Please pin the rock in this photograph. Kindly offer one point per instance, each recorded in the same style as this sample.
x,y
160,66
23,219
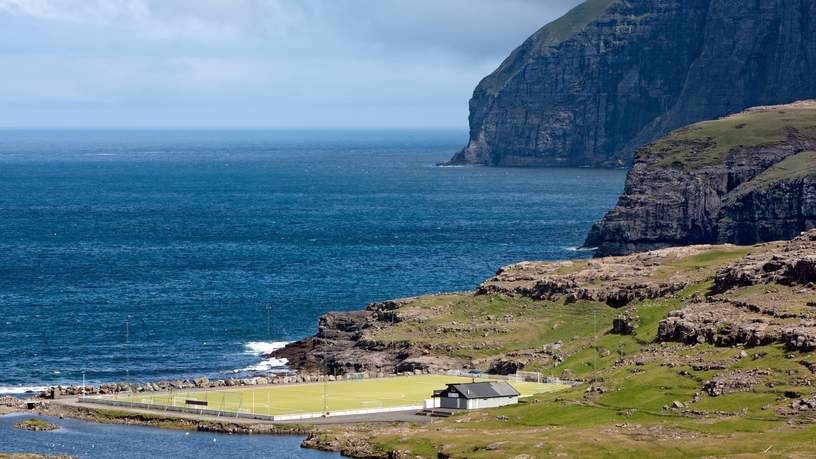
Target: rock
x,y
731,318
578,93
344,344
616,281
506,366
695,187
201,382
792,264
624,324
36,425
678,405
735,381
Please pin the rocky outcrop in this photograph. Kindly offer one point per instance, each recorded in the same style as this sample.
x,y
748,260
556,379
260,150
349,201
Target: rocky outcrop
x,y
743,179
624,324
344,344
616,281
735,381
794,263
611,76
36,425
740,314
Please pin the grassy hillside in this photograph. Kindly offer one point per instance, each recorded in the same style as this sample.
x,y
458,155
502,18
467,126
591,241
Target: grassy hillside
x,y
640,398
709,142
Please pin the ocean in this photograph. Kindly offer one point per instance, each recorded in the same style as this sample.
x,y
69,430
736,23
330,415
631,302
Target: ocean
x,y
143,255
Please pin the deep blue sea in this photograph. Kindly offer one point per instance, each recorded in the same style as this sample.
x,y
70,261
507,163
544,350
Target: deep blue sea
x,y
144,255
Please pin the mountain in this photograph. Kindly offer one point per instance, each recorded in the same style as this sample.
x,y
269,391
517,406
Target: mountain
x,y
745,178
613,75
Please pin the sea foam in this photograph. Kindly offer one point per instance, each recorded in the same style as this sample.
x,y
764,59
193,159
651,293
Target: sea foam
x,y
17,390
261,348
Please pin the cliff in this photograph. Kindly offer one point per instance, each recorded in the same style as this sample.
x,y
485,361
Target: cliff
x,y
612,75
743,179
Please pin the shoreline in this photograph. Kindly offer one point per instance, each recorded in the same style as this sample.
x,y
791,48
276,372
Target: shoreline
x,y
312,432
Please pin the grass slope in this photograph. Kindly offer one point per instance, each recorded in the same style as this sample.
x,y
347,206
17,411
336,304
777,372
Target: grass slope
x,y
791,168
640,380
708,143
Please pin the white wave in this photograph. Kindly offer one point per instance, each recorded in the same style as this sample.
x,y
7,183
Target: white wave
x,y
267,365
263,347
21,389
580,249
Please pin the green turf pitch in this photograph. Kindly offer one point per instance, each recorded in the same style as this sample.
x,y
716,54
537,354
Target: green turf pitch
x,y
340,396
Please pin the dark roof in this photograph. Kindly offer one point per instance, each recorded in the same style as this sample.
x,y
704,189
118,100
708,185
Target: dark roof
x,y
481,390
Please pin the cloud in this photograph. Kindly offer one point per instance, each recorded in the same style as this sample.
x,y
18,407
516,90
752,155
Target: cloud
x,y
256,62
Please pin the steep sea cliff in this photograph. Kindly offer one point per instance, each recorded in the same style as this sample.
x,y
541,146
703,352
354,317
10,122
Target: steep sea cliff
x,y
611,76
742,179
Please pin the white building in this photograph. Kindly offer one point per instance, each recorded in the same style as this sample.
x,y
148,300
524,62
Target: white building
x,y
472,396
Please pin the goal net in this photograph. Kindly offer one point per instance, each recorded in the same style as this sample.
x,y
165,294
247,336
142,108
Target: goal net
x,y
528,376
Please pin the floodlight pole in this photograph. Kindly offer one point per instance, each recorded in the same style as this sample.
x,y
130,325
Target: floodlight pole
x,y
127,348
269,321
595,331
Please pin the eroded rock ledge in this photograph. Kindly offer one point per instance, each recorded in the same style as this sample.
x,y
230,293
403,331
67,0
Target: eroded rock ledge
x,y
616,281
764,298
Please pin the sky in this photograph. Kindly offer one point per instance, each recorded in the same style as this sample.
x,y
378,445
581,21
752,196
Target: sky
x,y
254,63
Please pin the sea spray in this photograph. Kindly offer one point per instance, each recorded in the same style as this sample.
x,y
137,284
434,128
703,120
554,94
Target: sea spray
x,y
263,348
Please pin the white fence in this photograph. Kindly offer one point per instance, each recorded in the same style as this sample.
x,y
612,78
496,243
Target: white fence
x,y
520,376
232,414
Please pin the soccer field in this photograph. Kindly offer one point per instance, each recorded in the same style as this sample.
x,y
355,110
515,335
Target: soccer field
x,y
340,396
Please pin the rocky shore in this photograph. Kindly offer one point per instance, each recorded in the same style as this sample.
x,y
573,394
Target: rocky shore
x,y
680,331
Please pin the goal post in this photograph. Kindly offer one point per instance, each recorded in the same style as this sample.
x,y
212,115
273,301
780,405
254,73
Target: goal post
x,y
528,376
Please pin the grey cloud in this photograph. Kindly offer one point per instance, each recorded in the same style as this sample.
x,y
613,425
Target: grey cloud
x,y
254,62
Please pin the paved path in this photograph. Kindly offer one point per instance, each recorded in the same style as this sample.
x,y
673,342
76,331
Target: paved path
x,y
396,416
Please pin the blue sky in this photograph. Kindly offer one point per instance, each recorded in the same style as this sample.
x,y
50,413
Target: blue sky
x,y
254,63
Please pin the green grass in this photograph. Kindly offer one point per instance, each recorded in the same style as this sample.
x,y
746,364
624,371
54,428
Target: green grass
x,y
341,395
791,168
698,267
709,142
36,422
533,324
574,21
551,34
640,377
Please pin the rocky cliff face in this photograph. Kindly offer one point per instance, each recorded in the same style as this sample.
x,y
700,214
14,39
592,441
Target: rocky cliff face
x,y
743,179
613,75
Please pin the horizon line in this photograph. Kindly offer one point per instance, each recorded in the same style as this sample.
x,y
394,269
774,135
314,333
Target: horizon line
x,y
230,128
